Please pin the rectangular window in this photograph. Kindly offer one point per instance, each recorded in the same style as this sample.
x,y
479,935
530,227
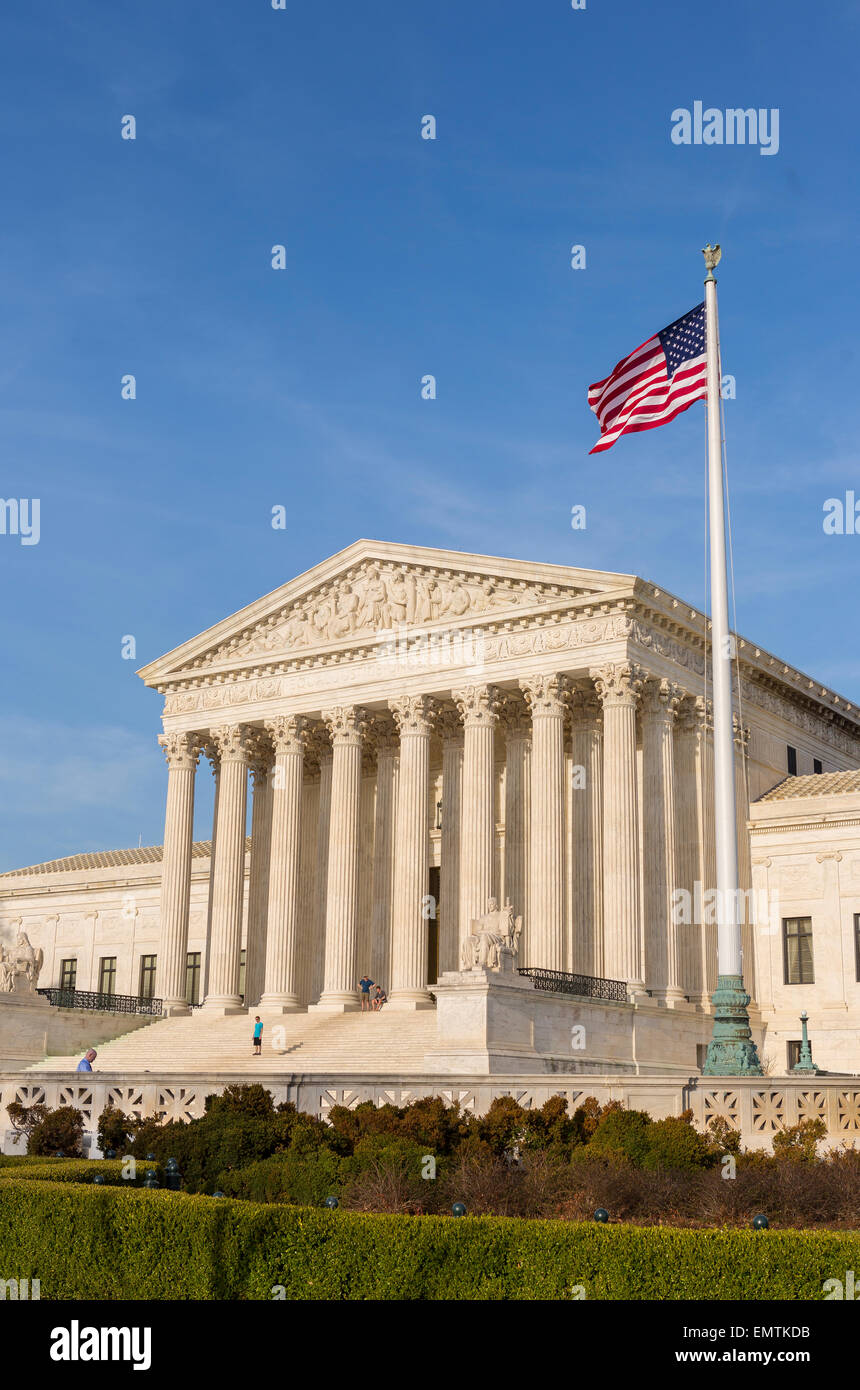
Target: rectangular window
x,y
242,974
192,977
107,975
816,765
69,973
792,760
147,977
797,949
793,1053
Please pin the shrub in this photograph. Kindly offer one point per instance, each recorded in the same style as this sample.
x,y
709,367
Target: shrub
x,y
60,1129
621,1136
674,1143
114,1130
800,1142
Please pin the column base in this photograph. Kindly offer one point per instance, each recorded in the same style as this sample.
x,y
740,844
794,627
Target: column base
x,y
731,1051
335,1002
221,1005
673,999
174,1008
273,1005
409,1000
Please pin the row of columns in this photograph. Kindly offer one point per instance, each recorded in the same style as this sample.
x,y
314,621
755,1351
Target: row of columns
x,y
623,921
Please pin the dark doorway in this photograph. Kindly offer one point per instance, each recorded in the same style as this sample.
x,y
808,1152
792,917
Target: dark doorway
x,y
433,928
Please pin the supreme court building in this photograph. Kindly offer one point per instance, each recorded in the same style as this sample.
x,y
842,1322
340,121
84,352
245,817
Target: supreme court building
x,y
421,731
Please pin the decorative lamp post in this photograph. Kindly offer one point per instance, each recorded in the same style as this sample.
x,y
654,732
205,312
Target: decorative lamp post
x,y
804,1064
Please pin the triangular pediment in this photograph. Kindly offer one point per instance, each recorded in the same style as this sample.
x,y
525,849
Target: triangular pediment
x,y
371,589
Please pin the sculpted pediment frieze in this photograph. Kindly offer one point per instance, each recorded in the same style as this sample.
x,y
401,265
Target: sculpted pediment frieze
x,y
378,599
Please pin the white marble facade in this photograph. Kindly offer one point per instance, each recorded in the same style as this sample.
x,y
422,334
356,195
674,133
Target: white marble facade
x,y
408,732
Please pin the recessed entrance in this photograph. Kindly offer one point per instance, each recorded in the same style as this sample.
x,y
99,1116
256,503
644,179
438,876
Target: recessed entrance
x,y
433,927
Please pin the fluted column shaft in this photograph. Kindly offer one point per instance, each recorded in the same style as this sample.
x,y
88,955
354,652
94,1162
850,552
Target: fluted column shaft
x,y
587,833
413,714
663,965
323,831
229,877
687,849
479,708
707,845
281,993
211,751
544,930
518,747
448,908
181,752
387,771
340,982
258,886
618,687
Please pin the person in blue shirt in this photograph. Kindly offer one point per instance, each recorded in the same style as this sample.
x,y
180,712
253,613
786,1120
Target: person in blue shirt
x,y
86,1062
257,1039
365,985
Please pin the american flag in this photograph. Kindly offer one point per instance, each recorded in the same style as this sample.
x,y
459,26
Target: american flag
x,y
662,377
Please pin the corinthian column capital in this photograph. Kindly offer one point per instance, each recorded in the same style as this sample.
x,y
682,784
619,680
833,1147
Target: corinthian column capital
x,y
234,742
661,699
546,695
288,732
180,749
413,714
618,684
479,705
346,725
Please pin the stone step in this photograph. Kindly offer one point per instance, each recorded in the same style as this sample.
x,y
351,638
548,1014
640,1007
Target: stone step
x,y
311,1042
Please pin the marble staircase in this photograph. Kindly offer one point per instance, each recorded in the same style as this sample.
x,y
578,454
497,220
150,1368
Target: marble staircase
x,y
338,1043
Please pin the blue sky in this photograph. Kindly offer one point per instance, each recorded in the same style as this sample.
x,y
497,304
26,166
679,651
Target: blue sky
x,y
404,257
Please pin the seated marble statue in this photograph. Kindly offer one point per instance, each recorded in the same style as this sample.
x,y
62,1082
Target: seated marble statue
x,y
496,931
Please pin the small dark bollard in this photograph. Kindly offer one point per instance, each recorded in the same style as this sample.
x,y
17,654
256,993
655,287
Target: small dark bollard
x,y
601,1215
331,1203
110,1153
150,1158
458,1209
99,1178
218,1194
59,1154
151,1179
760,1222
173,1177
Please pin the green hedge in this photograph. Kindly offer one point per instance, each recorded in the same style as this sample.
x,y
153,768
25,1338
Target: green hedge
x,y
71,1170
129,1244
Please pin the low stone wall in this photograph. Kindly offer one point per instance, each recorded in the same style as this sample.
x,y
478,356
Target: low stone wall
x,y
758,1108
30,1032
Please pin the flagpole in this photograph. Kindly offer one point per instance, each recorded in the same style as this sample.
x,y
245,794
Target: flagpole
x,y
731,1051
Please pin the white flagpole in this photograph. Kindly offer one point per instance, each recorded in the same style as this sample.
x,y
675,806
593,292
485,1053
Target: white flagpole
x,y
732,1051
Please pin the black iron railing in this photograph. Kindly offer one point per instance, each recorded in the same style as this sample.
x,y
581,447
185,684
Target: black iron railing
x,y
585,986
107,1003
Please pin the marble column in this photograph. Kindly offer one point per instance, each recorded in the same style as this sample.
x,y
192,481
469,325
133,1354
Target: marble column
x,y
210,749
281,991
448,907
235,747
181,751
660,703
544,945
414,717
387,766
340,983
742,805
325,760
258,885
618,687
707,846
687,848
518,749
586,745
479,708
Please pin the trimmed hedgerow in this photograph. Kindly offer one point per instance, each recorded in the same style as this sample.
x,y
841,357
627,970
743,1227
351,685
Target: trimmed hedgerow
x,y
129,1244
72,1170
